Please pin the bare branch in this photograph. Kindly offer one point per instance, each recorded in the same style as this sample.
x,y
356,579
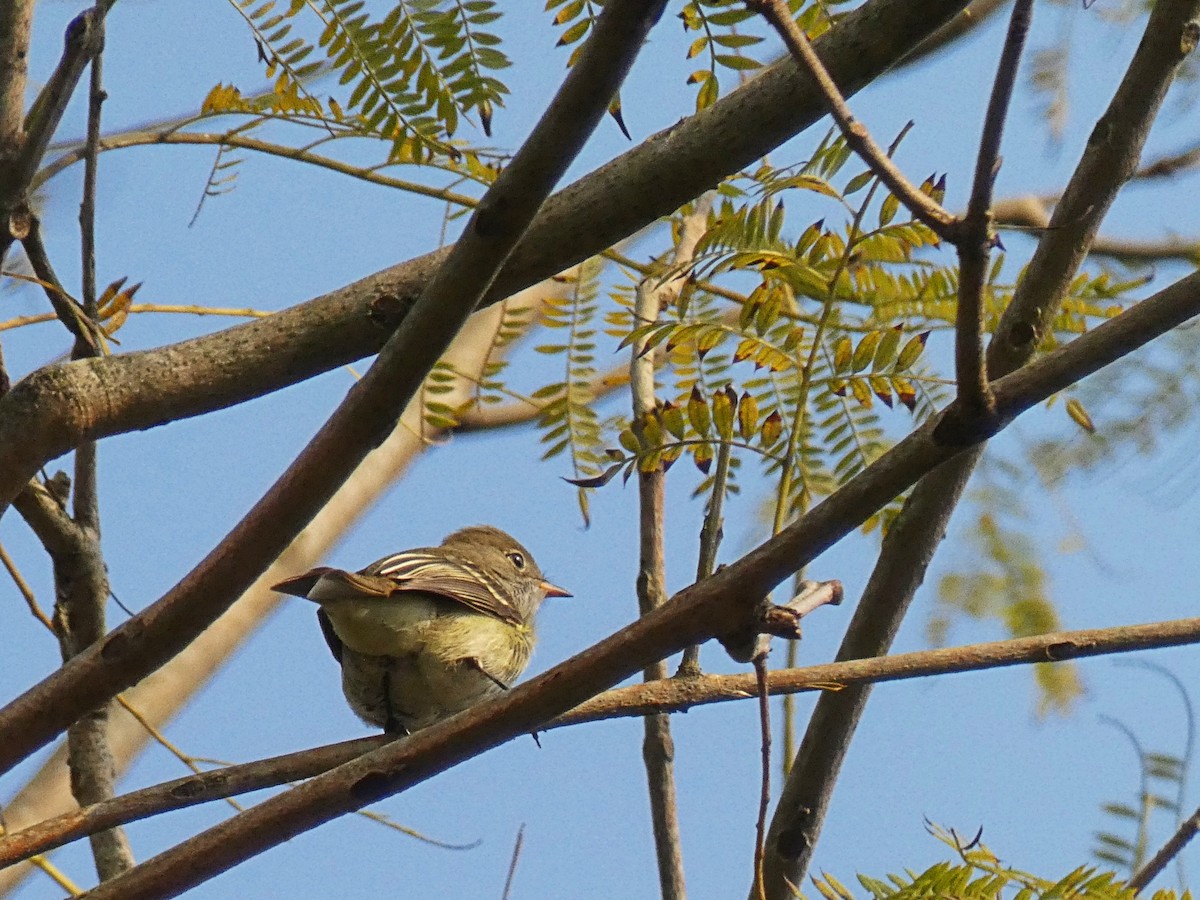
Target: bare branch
x,y
25,589
761,675
87,333
82,578
173,136
1183,835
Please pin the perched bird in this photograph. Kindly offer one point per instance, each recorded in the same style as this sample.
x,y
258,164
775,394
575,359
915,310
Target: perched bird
x,y
425,633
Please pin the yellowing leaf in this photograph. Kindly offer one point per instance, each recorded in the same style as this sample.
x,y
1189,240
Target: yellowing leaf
x,y
723,405
747,416
698,412
772,429
842,353
1080,416
672,419
889,345
912,351
864,353
746,349
709,339
812,183
881,389
652,433
888,209
905,392
649,462
862,393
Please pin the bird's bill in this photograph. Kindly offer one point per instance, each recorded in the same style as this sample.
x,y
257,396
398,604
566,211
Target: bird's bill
x,y
553,590
300,585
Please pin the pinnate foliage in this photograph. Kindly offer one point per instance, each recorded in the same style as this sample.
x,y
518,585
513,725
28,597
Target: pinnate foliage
x,y
410,76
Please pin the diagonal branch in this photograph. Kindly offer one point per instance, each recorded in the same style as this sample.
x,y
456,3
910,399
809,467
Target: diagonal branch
x,y
54,409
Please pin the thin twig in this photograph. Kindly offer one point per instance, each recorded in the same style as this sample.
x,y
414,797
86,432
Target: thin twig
x,y
25,589
172,136
922,206
1031,213
512,863
658,746
711,533
1170,850
72,316
975,248
764,796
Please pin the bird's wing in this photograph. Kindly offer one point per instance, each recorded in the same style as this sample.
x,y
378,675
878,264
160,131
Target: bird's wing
x,y
458,580
331,638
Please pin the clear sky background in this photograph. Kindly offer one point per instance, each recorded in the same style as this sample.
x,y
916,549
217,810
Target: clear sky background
x,y
963,751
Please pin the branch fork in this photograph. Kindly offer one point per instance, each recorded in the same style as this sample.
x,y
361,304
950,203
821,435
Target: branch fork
x,y
768,620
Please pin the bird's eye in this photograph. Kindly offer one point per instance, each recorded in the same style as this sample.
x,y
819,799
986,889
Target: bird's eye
x,y
517,559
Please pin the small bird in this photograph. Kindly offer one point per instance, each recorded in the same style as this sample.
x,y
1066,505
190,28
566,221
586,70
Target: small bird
x,y
425,633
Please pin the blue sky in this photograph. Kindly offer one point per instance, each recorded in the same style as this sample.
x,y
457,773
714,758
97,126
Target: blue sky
x,y
963,751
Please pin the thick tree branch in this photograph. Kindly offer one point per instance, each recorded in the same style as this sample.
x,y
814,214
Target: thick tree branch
x,y
714,606
54,409
1107,163
16,20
